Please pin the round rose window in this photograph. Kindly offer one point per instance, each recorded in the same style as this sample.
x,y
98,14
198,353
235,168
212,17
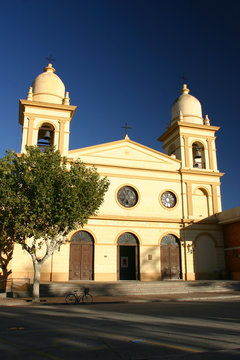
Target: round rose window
x,y
127,196
168,199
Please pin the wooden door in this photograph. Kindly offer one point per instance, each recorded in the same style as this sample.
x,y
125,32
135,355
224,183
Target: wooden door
x,y
81,261
170,262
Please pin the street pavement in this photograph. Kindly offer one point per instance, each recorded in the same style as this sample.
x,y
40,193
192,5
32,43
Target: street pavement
x,y
177,327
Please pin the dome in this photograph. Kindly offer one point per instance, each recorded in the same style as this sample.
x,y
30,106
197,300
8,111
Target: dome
x,y
48,87
186,108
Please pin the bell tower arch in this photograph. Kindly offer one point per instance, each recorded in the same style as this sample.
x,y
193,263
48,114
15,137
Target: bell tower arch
x,y
46,114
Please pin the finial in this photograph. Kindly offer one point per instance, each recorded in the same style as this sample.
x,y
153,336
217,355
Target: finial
x,y
167,126
185,90
127,137
30,94
66,100
207,120
49,68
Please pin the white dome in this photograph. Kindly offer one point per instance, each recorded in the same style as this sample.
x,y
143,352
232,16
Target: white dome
x,y
48,87
186,108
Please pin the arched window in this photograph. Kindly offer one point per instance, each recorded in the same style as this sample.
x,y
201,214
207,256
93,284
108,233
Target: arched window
x,y
128,239
169,240
82,237
45,136
198,155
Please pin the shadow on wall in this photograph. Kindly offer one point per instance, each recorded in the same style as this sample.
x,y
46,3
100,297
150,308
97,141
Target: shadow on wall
x,y
203,251
150,260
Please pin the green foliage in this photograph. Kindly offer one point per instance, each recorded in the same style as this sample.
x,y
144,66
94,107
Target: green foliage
x,y
7,213
43,198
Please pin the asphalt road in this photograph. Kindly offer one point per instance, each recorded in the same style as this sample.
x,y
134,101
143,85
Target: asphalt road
x,y
136,331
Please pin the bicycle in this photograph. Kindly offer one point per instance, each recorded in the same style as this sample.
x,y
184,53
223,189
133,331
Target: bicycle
x,y
75,297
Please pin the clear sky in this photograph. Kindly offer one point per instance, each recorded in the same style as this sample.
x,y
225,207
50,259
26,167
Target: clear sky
x,y
122,60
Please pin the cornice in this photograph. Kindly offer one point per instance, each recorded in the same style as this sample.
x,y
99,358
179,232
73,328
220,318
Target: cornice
x,y
201,172
102,165
40,104
182,124
136,219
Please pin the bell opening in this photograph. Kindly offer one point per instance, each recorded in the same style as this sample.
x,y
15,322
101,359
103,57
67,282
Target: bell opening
x,y
45,137
198,156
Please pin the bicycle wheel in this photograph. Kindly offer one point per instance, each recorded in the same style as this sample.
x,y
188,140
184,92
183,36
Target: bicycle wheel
x,y
87,299
71,299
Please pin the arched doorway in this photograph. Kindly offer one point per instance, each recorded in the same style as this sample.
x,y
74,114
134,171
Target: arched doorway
x,y
170,258
81,256
128,254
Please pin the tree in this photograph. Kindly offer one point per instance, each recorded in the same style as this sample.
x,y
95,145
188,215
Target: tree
x,y
7,217
48,198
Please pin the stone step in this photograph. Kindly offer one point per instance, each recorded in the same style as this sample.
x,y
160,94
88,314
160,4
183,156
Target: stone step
x,y
137,288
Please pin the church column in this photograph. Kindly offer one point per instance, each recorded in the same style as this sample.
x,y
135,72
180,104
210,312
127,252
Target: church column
x,y
30,131
209,142
214,198
186,151
189,199
214,156
61,136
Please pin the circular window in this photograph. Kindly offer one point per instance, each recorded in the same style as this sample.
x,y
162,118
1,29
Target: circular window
x,y
168,199
127,196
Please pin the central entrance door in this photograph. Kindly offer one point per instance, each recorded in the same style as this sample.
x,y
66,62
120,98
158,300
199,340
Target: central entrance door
x,y
170,258
81,256
128,253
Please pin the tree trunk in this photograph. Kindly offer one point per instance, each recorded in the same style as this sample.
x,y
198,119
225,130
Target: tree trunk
x,y
36,281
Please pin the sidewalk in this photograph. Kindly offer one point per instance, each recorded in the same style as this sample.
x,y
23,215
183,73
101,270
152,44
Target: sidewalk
x,y
204,296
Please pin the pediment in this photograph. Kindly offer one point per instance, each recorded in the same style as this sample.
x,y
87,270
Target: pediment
x,y
125,153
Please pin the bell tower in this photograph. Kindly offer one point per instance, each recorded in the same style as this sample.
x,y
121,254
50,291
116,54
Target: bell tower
x,y
46,114
192,140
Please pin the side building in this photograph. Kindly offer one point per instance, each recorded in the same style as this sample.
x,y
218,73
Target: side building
x,y
230,220
154,223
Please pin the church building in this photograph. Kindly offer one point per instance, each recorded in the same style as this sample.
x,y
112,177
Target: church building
x,y
155,222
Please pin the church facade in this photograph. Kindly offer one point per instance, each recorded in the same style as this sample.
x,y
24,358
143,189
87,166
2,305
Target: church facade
x,y
155,222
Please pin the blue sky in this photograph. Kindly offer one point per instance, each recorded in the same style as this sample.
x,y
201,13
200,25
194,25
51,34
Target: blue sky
x,y
122,60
